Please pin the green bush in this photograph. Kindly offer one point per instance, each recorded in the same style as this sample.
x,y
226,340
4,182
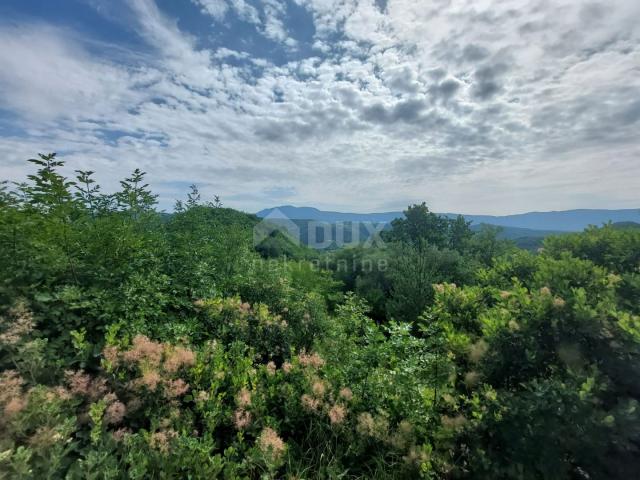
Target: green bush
x,y
135,344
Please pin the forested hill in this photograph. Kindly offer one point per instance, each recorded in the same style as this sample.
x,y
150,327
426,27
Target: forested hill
x,y
568,220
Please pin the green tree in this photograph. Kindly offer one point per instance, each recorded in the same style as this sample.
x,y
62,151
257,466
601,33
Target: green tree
x,y
413,272
419,227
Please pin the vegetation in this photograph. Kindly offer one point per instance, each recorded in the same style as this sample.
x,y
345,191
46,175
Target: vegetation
x,y
135,344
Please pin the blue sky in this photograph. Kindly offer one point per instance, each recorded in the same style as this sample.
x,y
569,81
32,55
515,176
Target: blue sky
x,y
476,106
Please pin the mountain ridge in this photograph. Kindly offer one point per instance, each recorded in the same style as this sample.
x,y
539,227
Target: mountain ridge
x,y
557,220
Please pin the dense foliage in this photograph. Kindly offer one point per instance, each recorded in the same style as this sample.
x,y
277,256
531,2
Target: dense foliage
x,y
135,344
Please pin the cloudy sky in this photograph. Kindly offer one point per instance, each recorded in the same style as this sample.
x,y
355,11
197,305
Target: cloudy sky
x,y
474,106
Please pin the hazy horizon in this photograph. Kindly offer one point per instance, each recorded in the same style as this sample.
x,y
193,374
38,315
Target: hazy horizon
x,y
441,212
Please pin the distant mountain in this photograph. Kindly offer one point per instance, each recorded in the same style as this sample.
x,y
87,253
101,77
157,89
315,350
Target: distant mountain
x,y
512,233
559,221
310,213
627,225
566,221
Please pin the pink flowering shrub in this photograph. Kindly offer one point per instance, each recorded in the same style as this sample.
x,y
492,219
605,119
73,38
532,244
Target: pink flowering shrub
x,y
160,403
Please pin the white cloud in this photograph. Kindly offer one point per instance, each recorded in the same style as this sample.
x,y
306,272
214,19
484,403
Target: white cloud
x,y
216,8
46,76
269,20
479,107
274,28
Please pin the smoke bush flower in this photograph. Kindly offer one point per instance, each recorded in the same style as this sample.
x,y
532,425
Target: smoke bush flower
x,y
161,440
241,419
310,403
559,302
150,380
176,388
112,355
144,351
119,434
271,368
346,393
79,382
21,324
271,444
314,360
58,393
115,413
471,378
454,423
366,424
319,388
10,386
337,414
243,399
178,358
14,406
478,350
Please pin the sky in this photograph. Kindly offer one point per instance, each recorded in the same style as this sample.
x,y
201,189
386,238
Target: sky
x,y
473,106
